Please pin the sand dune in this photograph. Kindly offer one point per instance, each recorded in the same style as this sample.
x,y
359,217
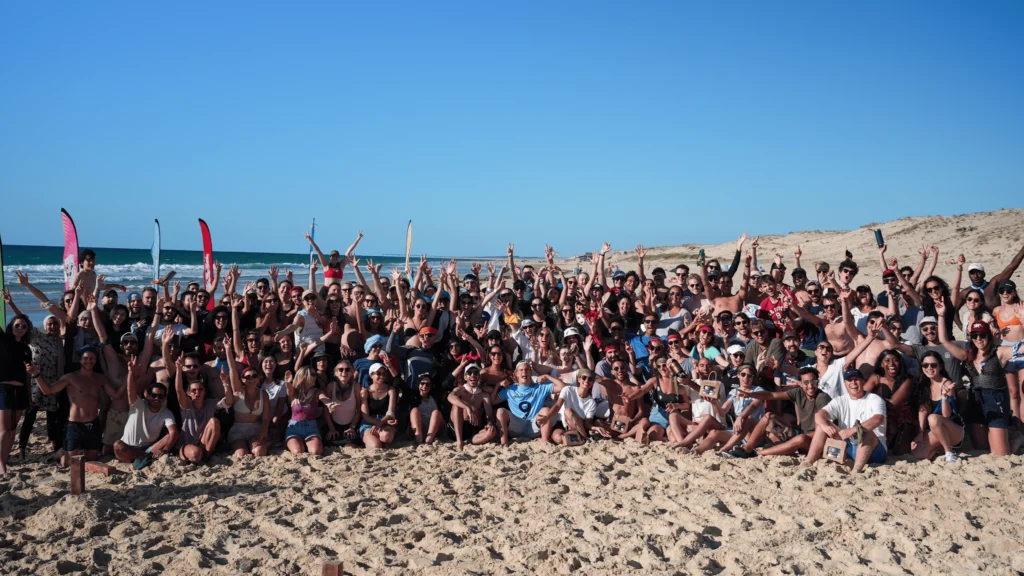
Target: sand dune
x,y
992,238
604,508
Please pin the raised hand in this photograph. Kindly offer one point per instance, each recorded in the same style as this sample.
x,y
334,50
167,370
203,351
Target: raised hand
x,y
396,275
308,237
22,278
234,271
798,252
960,261
354,261
453,267
490,268
511,249
273,273
641,253
778,259
935,250
883,248
218,266
756,243
595,259
475,268
940,308
742,239
7,296
90,302
605,248
893,264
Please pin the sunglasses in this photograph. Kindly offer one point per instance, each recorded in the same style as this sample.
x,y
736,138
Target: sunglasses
x,y
928,328
616,328
979,336
846,270
657,348
927,365
1007,290
309,298
974,300
220,317
496,353
757,332
829,307
344,369
191,366
933,288
157,396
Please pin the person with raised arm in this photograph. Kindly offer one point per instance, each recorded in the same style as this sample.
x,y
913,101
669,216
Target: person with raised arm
x,y
117,372
990,411
253,407
15,354
302,434
858,419
47,349
200,430
148,416
942,427
976,273
334,266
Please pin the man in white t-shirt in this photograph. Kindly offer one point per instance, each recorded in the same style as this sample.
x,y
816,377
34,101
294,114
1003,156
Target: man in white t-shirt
x,y
575,408
147,417
857,418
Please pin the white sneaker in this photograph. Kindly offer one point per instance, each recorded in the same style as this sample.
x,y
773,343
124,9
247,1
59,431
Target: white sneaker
x,y
951,457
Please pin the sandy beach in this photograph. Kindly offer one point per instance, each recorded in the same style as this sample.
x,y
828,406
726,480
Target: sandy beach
x,y
604,508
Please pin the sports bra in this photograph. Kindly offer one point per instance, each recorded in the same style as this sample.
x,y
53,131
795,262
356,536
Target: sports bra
x,y
241,407
331,273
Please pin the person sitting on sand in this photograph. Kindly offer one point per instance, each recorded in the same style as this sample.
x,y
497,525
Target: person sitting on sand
x,y
252,407
302,434
748,411
789,437
200,430
380,401
472,415
624,418
148,416
942,428
858,418
525,397
574,409
343,402
425,419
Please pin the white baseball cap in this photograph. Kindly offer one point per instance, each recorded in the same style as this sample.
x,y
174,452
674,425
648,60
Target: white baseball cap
x,y
975,266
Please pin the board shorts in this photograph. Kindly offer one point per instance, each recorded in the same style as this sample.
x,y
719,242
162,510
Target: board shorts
x,y
114,429
468,430
84,436
523,427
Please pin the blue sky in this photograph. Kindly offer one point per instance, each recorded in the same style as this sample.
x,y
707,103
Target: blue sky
x,y
569,122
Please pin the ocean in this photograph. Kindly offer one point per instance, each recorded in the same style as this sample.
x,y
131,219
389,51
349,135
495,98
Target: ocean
x,y
134,269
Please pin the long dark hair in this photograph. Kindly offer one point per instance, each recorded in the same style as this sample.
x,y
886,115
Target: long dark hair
x,y
901,370
924,386
28,333
928,304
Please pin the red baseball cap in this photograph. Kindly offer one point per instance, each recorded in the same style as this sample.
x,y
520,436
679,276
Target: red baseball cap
x,y
979,327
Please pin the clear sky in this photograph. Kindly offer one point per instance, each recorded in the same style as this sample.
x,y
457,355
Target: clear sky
x,y
568,122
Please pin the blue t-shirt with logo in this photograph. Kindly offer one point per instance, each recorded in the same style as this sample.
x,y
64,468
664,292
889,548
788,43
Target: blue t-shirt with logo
x,y
526,401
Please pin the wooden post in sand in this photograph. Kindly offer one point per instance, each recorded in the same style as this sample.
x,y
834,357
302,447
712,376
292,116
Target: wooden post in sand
x,y
77,474
332,570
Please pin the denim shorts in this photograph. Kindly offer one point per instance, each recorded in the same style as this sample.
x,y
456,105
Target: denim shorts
x,y
877,455
303,429
994,406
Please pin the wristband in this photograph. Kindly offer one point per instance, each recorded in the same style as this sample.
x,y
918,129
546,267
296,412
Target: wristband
x,y
390,413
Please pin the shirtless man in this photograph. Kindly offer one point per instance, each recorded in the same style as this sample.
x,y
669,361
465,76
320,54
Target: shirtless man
x,y
85,429
720,292
834,311
621,416
472,414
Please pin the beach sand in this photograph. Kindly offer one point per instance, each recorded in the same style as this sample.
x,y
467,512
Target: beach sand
x,y
603,508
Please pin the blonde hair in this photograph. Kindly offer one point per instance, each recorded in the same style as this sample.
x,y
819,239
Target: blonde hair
x,y
302,382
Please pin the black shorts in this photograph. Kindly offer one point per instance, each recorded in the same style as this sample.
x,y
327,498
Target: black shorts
x,y
84,436
989,407
468,430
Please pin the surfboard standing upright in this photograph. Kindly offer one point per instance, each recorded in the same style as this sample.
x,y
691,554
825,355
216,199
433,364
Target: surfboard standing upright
x,y
156,251
207,261
70,248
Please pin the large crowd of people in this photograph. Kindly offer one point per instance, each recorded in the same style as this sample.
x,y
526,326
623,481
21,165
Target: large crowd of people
x,y
725,358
